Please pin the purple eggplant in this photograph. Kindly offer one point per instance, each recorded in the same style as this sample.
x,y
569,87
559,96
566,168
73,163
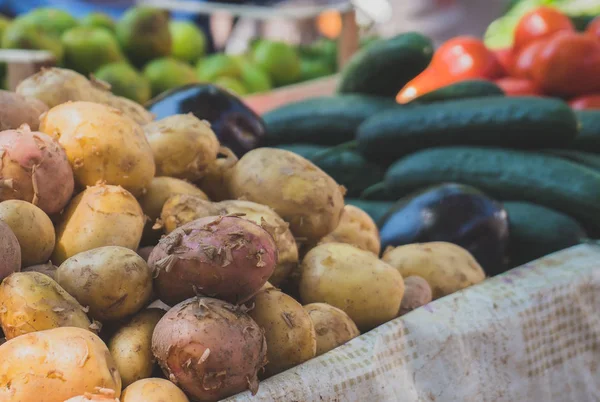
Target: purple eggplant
x,y
236,125
452,213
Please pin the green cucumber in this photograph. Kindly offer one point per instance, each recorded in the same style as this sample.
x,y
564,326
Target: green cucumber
x,y
503,174
588,138
510,122
327,120
588,159
375,209
384,67
460,90
348,168
536,231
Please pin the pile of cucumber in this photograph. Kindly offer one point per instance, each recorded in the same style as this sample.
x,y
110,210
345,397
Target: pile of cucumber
x,y
515,149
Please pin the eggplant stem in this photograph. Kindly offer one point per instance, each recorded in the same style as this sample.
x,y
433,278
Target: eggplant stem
x,y
346,146
369,191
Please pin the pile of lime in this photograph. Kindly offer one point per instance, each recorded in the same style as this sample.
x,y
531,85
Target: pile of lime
x,y
145,53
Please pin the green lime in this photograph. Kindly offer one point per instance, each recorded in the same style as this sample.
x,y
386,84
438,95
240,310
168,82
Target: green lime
x,y
189,42
99,20
125,81
4,23
232,84
255,79
23,36
168,73
312,69
218,65
89,48
279,60
144,35
48,20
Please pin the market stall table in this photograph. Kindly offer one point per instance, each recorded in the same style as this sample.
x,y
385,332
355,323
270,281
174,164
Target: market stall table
x,y
531,334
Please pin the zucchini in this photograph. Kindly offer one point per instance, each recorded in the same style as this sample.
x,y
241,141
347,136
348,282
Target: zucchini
x,y
323,121
348,168
375,209
536,231
384,67
460,90
511,122
588,138
503,174
588,159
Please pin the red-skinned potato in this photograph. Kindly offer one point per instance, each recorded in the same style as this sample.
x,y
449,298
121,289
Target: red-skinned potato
x,y
218,256
10,251
153,390
100,216
210,348
34,169
102,145
182,209
55,365
16,110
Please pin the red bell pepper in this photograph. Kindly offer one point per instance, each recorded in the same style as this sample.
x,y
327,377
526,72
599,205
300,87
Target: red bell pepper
x,y
456,60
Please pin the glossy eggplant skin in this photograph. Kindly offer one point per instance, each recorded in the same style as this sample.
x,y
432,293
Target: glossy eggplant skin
x,y
452,213
236,125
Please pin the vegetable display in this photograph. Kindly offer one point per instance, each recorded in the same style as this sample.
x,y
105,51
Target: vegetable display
x,y
188,251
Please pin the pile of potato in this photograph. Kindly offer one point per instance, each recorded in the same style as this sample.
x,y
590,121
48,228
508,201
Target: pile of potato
x,y
122,280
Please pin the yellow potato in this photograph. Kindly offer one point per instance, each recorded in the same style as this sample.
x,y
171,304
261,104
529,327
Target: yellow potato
x,y
131,346
290,334
159,191
32,301
55,86
357,229
183,146
48,269
33,228
102,145
153,390
55,365
182,209
447,267
114,282
332,326
103,395
216,178
301,193
100,216
356,281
